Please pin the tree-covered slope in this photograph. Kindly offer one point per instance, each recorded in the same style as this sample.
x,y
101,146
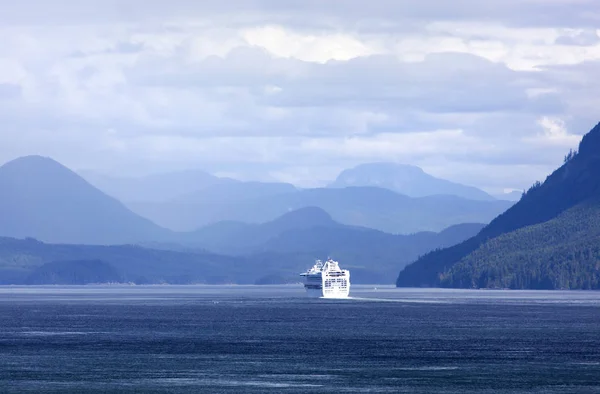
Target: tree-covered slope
x,y
562,253
574,183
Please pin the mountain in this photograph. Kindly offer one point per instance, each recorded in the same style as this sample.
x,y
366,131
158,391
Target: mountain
x,y
562,253
405,179
370,207
41,198
548,239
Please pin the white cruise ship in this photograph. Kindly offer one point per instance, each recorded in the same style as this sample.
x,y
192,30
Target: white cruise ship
x,y
327,280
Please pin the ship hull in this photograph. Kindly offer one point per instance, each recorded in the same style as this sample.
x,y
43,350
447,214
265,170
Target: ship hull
x,y
314,293
328,293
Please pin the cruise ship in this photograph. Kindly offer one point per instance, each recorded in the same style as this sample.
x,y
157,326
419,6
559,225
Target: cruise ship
x,y
327,280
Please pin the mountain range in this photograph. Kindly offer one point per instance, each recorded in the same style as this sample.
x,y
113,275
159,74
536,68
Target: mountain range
x,y
371,207
549,239
386,196
43,199
61,220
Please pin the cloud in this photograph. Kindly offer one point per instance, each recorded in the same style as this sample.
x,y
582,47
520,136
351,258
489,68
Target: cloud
x,y
588,37
298,90
562,13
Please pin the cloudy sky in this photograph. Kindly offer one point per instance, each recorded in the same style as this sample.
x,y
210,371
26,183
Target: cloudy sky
x,y
490,93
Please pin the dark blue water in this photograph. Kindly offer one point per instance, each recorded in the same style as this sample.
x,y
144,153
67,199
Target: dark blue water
x,y
255,339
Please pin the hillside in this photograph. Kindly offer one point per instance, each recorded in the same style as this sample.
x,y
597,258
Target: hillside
x,y
369,207
41,198
575,185
405,179
563,253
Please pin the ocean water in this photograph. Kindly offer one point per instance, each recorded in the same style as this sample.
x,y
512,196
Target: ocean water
x,y
251,339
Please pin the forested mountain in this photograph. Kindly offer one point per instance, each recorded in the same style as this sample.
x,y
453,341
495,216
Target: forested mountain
x,y
562,253
369,207
40,198
548,239
405,179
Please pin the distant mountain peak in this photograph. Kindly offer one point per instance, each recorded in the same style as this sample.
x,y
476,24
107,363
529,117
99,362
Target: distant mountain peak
x,y
405,179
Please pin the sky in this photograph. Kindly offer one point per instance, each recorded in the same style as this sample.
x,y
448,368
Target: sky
x,y
488,93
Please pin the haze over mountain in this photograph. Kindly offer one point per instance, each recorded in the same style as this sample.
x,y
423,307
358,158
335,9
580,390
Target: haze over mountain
x,y
49,202
405,179
155,187
549,239
182,186
370,207
232,191
43,199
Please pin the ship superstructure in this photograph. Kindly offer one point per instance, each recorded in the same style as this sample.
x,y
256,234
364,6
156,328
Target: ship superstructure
x,y
327,280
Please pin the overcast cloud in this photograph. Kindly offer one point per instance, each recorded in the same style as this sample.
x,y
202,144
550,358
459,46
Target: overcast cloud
x,y
490,93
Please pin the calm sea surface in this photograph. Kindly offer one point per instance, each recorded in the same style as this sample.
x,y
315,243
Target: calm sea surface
x,y
250,339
